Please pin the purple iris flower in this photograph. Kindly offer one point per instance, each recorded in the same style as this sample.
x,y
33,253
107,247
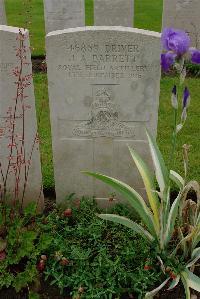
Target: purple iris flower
x,y
195,55
175,40
167,60
186,98
174,99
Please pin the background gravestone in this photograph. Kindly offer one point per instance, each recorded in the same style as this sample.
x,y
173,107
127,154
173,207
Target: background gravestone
x,y
113,12
104,89
9,47
183,14
2,13
62,14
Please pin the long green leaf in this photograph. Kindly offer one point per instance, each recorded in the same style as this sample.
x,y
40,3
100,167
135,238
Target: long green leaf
x,y
184,279
161,171
148,181
193,281
195,257
177,179
135,200
151,294
196,240
196,252
174,283
171,219
128,223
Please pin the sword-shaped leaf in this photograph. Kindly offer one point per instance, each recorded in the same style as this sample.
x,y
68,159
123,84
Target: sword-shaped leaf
x,y
177,179
195,257
171,219
184,279
151,294
128,223
174,283
148,181
134,198
193,281
162,174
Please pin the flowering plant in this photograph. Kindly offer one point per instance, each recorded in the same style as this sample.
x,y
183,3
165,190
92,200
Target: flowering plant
x,y
166,226
176,46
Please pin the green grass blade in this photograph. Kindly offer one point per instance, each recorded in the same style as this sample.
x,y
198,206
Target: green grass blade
x,y
161,171
128,223
148,181
135,200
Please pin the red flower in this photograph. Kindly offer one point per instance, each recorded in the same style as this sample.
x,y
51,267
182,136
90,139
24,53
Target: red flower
x,y
68,212
41,265
2,255
147,267
172,275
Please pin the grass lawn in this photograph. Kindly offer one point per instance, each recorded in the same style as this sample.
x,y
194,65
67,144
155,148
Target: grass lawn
x,y
29,14
148,15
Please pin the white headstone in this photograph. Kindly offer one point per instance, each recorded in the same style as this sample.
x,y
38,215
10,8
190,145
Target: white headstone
x,y
63,14
185,15
104,89
113,12
2,13
19,156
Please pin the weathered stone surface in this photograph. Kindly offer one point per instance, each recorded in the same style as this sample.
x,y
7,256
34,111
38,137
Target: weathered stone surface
x,y
13,154
2,13
183,14
63,14
113,12
104,89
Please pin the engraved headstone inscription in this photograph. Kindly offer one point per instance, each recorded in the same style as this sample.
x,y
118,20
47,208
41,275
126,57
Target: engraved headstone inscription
x,y
113,12
63,14
2,13
185,15
20,168
104,89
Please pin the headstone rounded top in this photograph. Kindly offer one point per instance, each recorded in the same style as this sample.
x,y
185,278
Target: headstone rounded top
x,y
12,29
105,28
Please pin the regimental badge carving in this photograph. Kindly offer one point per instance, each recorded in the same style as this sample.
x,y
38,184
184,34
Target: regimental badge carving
x,y
104,121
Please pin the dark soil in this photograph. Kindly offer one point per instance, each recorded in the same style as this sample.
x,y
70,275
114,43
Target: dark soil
x,y
45,291
39,64
50,292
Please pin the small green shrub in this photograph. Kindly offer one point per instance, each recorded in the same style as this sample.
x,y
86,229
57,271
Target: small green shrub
x,y
21,244
95,258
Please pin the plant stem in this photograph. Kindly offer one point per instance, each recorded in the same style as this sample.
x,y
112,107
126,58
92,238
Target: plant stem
x,y
174,141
